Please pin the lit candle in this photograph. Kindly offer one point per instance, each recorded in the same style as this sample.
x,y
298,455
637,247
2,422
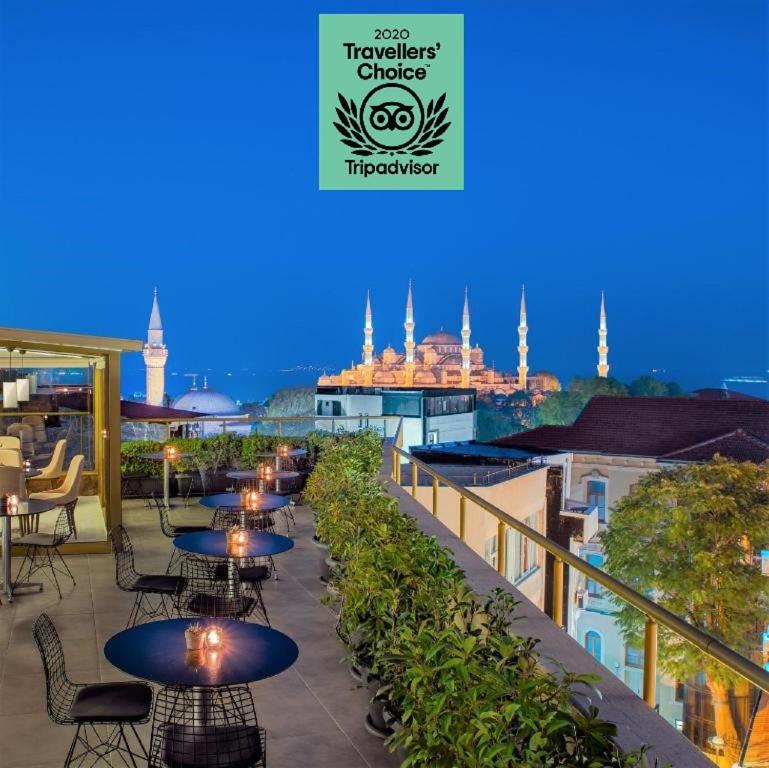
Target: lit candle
x,y
170,452
12,503
213,638
241,537
253,498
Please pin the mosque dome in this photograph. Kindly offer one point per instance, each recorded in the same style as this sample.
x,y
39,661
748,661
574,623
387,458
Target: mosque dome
x,y
442,338
207,401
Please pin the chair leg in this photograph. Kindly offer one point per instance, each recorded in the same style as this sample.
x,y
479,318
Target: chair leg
x,y
53,572
75,739
66,567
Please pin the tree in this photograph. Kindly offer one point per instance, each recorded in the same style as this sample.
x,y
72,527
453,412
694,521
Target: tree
x,y
292,401
648,386
687,537
564,407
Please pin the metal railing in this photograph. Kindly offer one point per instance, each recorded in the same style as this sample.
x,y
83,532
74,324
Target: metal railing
x,y
654,614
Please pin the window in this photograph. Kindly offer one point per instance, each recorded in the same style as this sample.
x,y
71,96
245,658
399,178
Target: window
x,y
634,657
401,404
594,589
593,644
490,551
521,552
432,437
596,497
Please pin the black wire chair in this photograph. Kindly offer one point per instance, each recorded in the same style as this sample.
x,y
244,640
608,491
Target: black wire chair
x,y
171,531
41,551
206,728
253,570
204,594
101,711
161,587
225,517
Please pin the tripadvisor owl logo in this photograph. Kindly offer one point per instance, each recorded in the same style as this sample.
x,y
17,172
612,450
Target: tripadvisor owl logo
x,y
392,120
391,101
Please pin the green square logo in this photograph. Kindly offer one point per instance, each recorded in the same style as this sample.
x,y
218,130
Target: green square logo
x,y
391,101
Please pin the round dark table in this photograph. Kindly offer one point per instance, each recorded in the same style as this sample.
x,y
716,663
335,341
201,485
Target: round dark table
x,y
253,474
29,507
157,651
268,502
214,544
30,472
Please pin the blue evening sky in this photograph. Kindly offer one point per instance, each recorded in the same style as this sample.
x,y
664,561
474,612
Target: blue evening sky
x,y
609,145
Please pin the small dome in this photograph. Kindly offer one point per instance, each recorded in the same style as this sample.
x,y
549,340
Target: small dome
x,y
442,338
207,401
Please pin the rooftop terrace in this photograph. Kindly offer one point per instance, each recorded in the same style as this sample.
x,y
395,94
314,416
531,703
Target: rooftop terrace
x,y
312,712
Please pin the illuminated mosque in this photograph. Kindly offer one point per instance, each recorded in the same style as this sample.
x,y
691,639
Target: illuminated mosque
x,y
441,359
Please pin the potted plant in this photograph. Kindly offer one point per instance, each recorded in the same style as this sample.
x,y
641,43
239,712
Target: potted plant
x,y
194,637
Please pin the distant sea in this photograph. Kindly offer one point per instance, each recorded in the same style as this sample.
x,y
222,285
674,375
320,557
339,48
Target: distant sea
x,y
243,386
248,385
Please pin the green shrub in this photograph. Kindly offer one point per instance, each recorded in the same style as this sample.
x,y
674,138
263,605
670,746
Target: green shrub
x,y
465,688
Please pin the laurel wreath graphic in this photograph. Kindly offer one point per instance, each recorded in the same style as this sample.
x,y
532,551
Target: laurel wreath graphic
x,y
422,144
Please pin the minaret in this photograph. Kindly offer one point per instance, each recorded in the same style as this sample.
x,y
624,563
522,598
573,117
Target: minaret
x,y
409,326
368,344
466,342
603,349
523,349
155,356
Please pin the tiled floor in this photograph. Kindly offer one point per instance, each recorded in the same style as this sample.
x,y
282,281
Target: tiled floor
x,y
313,712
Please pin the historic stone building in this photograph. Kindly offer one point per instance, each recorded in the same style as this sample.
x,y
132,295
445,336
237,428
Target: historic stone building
x,y
441,359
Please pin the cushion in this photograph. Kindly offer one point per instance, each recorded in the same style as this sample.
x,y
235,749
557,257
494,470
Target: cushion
x,y
247,573
112,702
220,605
36,539
188,746
179,529
168,585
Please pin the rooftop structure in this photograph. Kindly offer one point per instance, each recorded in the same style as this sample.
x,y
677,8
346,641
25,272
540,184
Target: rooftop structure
x,y
675,428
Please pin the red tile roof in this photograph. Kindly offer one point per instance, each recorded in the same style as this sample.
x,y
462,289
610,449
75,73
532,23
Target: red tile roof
x,y
684,428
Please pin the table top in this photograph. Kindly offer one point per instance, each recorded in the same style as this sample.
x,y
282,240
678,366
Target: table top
x,y
253,474
267,502
31,472
214,543
160,456
157,651
31,507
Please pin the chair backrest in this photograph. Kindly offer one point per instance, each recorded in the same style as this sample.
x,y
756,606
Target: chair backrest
x,y
24,432
165,522
10,441
38,425
70,488
10,457
204,594
59,691
12,481
55,466
125,570
65,524
229,735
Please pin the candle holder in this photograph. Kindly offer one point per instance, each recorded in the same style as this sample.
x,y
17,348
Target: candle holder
x,y
237,541
214,638
171,452
11,505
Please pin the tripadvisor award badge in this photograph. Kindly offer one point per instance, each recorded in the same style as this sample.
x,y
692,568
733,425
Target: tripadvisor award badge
x,y
391,101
